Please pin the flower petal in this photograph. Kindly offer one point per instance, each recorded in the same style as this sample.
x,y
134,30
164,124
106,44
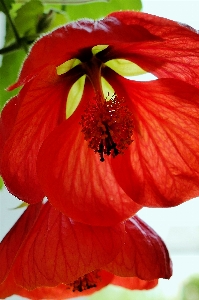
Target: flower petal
x,y
60,250
60,46
175,54
9,288
14,239
143,255
160,168
134,283
74,179
15,243
7,119
62,291
41,109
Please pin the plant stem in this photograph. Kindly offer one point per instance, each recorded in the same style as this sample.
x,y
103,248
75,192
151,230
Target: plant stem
x,y
9,48
17,37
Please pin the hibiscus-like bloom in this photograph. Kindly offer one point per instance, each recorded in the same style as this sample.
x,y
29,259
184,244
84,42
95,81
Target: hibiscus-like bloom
x,y
47,255
100,147
97,145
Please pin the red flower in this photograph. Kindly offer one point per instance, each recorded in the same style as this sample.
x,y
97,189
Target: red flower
x,y
47,254
100,156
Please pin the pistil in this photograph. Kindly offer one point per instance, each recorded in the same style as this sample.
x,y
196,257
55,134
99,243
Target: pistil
x,y
108,126
107,123
92,69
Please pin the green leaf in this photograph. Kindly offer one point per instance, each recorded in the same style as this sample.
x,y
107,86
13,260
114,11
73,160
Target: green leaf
x,y
29,14
30,21
26,21
8,4
119,293
66,2
100,9
8,73
1,183
52,19
23,204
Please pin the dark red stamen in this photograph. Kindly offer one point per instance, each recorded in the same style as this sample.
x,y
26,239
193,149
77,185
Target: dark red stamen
x,y
108,126
85,282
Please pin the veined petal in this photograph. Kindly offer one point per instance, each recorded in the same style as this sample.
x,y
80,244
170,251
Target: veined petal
x,y
13,241
75,181
43,242
143,255
60,46
7,119
160,168
61,291
174,55
42,108
59,249
134,283
9,288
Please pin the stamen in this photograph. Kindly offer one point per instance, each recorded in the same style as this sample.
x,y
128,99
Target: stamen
x,y
108,126
85,282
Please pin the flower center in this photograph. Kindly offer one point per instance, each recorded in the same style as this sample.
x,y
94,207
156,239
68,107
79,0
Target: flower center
x,y
85,282
107,126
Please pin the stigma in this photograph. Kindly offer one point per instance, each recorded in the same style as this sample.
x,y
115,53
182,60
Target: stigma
x,y
107,126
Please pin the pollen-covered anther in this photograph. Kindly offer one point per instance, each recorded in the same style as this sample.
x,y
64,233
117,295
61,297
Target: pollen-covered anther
x,y
108,126
85,282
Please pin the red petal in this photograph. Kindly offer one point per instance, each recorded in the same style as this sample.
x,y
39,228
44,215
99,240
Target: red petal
x,y
60,45
14,239
7,119
74,179
42,108
160,168
134,283
9,288
175,54
143,255
60,250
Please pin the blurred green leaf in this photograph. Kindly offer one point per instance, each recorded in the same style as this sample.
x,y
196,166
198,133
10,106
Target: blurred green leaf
x,y
23,204
28,17
26,21
31,20
52,19
8,4
64,1
190,290
118,293
100,9
1,183
8,73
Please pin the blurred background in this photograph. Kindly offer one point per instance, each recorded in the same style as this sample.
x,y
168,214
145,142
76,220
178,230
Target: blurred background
x,y
178,227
